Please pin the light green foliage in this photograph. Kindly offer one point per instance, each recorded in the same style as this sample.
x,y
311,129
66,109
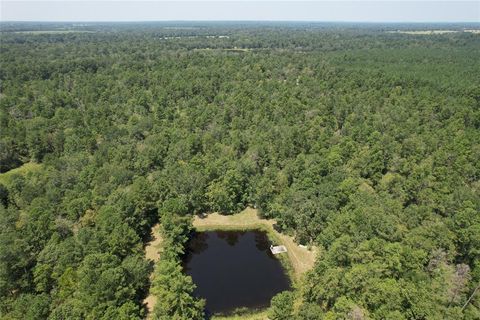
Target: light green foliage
x,y
225,194
171,287
282,306
310,311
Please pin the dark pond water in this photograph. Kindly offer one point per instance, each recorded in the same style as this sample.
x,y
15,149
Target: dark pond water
x,y
234,269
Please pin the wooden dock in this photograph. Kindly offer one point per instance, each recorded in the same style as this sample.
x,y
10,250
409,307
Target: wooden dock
x,y
278,249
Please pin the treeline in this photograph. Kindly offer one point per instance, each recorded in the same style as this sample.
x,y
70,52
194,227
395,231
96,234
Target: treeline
x,y
368,152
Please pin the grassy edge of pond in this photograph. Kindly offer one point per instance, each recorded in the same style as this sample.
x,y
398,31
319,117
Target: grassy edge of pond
x,y
257,314
248,220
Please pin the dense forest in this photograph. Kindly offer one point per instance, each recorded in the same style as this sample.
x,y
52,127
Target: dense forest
x,y
363,142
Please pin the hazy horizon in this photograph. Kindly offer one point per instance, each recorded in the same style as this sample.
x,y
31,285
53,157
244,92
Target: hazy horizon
x,y
238,11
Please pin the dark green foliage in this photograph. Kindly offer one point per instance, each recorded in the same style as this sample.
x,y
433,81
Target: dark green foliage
x,y
362,142
3,195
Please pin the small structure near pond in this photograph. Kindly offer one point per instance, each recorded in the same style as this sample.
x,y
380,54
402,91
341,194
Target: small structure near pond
x,y
278,249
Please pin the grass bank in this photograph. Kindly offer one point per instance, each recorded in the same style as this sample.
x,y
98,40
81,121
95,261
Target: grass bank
x,y
152,252
24,170
257,315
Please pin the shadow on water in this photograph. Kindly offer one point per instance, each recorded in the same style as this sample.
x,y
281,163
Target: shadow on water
x,y
197,244
234,270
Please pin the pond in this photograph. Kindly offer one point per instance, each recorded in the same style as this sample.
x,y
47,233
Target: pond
x,y
234,269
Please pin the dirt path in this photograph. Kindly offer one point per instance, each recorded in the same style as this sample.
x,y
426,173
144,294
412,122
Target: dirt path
x,y
302,259
152,252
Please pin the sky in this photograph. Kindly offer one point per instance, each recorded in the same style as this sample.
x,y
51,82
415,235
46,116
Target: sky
x,y
266,10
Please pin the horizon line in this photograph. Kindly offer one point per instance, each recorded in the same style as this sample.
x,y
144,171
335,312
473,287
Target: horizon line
x,y
233,20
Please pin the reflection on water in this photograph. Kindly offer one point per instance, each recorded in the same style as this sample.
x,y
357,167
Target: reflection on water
x,y
262,243
230,237
234,269
196,246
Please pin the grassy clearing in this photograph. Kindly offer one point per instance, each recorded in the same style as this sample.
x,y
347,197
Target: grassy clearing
x,y
428,32
300,259
225,49
52,31
152,252
258,315
24,170
424,32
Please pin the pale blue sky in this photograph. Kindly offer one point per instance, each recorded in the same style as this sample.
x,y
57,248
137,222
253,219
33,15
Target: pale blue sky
x,y
357,11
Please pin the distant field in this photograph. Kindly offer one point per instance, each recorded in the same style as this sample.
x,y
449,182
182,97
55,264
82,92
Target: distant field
x,y
226,49
425,31
53,31
429,32
6,177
